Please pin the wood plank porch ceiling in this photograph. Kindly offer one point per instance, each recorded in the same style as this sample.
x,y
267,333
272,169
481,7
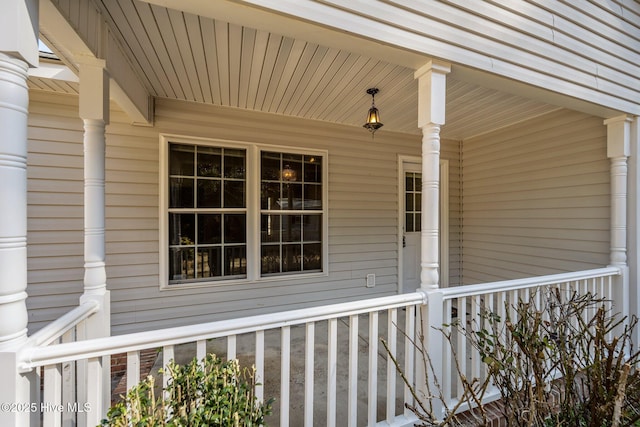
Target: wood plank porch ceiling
x,y
182,56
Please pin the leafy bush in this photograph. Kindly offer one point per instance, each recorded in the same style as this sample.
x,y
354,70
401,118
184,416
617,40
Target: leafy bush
x,y
211,392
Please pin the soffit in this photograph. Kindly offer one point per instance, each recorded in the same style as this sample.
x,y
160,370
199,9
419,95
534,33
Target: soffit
x,y
185,56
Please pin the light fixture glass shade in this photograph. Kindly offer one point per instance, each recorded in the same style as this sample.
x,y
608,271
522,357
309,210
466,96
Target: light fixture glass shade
x,y
373,122
288,174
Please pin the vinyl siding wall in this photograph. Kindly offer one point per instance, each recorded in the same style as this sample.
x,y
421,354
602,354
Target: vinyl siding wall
x,y
362,213
528,200
450,151
536,199
55,208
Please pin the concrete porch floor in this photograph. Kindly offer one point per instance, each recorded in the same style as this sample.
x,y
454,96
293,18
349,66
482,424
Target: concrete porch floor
x,y
272,368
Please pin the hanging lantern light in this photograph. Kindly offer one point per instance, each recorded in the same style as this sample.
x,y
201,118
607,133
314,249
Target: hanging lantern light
x,y
373,116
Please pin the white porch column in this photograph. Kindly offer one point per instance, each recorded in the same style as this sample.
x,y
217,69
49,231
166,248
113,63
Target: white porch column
x,y
14,102
633,221
618,150
431,112
18,51
94,111
431,115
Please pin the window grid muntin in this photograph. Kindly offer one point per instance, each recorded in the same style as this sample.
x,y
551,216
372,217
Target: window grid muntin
x,y
284,255
413,202
252,210
224,248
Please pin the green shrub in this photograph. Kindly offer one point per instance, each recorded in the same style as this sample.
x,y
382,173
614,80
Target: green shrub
x,y
211,392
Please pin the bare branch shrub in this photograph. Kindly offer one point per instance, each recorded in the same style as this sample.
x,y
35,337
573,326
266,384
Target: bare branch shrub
x,y
557,359
567,362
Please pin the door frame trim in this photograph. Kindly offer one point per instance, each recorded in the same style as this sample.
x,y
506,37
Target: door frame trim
x,y
443,220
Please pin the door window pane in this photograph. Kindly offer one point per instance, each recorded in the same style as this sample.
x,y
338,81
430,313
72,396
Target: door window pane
x,y
413,201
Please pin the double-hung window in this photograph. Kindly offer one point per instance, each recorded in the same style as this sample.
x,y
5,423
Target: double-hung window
x,y
291,213
207,213
241,212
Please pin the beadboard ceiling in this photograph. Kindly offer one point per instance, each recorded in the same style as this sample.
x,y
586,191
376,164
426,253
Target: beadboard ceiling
x,y
183,56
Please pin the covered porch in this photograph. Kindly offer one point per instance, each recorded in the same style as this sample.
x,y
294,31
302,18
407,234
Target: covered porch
x,y
478,189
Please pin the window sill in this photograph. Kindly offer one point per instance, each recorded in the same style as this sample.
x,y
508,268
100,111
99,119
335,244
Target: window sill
x,y
220,283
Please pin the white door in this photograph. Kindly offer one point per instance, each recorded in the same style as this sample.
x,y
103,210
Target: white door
x,y
412,225
411,218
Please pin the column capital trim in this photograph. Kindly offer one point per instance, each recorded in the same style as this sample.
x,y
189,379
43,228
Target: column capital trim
x,y
90,61
434,65
619,136
432,93
625,118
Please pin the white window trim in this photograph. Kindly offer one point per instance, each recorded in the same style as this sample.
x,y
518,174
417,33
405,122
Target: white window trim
x,y
252,206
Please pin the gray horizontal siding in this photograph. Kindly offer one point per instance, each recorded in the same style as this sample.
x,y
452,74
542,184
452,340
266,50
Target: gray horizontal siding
x,y
362,214
536,199
362,217
55,207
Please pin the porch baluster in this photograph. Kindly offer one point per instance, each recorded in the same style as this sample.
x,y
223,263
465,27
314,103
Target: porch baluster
x,y
409,354
353,371
332,368
133,369
260,365
372,398
167,356
52,396
231,347
285,369
201,350
392,324
309,346
461,342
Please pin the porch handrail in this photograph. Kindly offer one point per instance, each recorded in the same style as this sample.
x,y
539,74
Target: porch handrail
x,y
515,284
60,326
39,356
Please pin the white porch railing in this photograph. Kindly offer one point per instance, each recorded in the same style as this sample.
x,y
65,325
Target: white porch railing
x,y
379,388
468,303
361,381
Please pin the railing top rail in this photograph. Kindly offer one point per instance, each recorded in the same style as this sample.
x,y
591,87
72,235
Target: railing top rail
x,y
39,356
511,285
58,327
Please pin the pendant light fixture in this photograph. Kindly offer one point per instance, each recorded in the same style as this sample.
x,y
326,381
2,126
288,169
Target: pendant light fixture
x,y
373,116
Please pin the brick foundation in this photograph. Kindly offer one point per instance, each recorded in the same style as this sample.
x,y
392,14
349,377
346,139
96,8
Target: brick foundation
x,y
119,371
